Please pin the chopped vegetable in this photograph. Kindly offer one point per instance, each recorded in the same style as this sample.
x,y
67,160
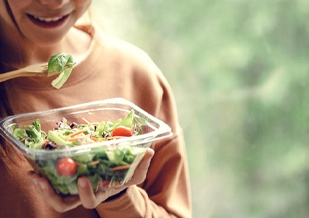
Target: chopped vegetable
x,y
72,134
66,167
100,164
62,63
122,131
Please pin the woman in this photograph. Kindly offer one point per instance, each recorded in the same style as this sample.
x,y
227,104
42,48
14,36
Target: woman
x,y
31,32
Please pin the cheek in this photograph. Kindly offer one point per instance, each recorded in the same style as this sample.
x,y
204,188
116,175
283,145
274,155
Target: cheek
x,y
83,5
16,7
85,2
18,4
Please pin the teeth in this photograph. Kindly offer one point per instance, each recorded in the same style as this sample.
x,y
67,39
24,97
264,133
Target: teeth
x,y
48,19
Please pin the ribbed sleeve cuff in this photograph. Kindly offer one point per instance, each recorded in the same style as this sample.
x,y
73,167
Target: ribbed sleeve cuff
x,y
130,204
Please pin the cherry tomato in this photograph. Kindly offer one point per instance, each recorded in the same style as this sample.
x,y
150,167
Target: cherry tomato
x,y
122,131
66,167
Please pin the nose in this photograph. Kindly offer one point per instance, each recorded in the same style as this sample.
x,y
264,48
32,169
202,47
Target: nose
x,y
54,3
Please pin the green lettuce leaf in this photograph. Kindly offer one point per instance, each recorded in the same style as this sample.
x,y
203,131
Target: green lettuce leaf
x,y
62,63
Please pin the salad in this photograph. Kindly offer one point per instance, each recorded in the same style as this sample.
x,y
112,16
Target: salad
x,y
106,166
62,63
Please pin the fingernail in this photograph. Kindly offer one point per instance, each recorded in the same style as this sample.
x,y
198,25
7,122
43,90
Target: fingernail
x,y
82,183
42,185
35,181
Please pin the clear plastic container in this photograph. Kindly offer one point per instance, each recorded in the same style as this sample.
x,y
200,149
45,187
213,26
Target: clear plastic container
x,y
92,159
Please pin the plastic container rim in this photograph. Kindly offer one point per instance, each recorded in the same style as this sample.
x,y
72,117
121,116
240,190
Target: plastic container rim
x,y
163,131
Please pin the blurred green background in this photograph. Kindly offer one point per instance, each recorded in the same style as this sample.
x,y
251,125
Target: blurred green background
x,y
240,71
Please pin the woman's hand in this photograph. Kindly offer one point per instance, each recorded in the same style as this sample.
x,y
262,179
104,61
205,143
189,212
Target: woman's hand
x,y
86,196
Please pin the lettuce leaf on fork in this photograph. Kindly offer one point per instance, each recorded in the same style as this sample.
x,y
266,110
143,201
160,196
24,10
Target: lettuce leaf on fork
x,y
62,63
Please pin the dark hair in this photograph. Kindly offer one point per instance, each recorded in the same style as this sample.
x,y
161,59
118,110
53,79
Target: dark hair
x,y
8,9
5,108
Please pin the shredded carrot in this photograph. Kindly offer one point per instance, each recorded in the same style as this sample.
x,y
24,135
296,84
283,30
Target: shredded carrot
x,y
97,139
115,137
44,144
122,167
85,120
103,185
94,139
94,163
76,139
77,133
115,184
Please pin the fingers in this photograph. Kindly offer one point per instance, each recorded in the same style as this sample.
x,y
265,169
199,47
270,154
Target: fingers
x,y
149,153
88,198
91,200
59,203
142,168
86,195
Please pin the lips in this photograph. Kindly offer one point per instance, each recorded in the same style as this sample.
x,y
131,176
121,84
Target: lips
x,y
48,22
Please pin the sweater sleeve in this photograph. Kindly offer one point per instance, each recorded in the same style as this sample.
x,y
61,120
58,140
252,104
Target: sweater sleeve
x,y
165,191
134,203
163,194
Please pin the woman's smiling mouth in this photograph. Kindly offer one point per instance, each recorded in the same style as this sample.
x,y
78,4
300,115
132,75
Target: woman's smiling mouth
x,y
47,22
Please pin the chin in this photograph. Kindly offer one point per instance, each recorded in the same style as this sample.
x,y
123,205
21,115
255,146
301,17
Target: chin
x,y
46,41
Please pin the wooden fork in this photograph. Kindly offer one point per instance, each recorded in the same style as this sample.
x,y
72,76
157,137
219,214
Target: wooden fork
x,y
35,70
39,70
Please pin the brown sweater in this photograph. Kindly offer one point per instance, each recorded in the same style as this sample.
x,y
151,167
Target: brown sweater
x,y
113,69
